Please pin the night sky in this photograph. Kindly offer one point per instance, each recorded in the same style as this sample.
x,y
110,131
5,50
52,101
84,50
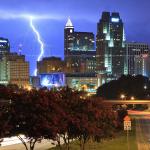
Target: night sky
x,y
53,15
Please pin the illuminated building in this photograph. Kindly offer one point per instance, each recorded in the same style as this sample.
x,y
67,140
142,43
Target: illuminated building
x,y
81,62
83,82
14,69
4,46
142,65
137,54
77,41
50,64
78,50
110,45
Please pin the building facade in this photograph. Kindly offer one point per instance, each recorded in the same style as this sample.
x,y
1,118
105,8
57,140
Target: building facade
x,y
78,50
110,45
4,46
81,62
14,69
50,64
83,82
138,58
77,41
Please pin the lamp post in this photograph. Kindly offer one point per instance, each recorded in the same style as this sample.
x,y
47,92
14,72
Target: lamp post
x,y
122,96
133,98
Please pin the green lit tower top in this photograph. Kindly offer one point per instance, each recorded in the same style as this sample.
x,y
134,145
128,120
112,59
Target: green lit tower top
x,y
4,46
110,45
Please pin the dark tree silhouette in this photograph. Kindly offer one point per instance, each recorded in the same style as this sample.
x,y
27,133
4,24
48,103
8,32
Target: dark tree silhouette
x,y
137,86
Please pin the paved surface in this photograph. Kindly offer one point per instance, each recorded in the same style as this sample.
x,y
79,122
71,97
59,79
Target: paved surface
x,y
45,145
143,134
142,129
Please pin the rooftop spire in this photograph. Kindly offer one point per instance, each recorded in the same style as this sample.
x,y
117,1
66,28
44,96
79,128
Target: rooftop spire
x,y
69,23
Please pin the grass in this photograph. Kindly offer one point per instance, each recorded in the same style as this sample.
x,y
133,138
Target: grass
x,y
118,143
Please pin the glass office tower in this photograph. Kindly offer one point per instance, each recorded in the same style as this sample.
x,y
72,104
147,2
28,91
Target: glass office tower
x,y
110,45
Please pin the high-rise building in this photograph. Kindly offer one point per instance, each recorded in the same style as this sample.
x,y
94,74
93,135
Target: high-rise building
x,y
77,41
14,69
142,65
4,46
81,62
110,45
78,50
138,58
50,64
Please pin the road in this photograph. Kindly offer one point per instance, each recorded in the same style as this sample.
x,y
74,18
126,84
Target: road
x,y
45,145
142,129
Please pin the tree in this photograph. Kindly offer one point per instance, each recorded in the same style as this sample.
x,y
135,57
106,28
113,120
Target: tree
x,y
84,118
56,115
137,86
30,111
4,119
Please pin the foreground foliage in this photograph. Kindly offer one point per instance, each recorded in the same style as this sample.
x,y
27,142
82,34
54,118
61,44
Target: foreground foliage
x,y
57,115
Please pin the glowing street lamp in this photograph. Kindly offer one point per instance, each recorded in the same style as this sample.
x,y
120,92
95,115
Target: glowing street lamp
x,y
132,98
122,96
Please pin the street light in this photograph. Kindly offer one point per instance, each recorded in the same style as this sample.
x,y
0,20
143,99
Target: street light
x,y
145,87
122,96
133,98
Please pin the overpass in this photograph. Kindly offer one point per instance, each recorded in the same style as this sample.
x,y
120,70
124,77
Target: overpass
x,y
134,102
117,101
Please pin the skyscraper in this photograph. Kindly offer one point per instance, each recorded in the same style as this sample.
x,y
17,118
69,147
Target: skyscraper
x,y
4,46
138,58
77,41
110,45
68,37
14,69
78,50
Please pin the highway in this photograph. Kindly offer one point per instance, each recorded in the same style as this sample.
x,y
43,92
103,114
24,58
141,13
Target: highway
x,y
142,129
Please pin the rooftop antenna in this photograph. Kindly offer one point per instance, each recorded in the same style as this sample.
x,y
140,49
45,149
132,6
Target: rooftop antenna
x,y
20,48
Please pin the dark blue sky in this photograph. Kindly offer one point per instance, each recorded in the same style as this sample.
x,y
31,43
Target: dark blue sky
x,y
83,13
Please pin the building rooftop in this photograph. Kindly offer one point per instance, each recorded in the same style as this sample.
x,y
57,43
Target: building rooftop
x,y
69,23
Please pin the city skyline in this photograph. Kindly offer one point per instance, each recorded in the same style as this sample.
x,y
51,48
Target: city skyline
x,y
84,17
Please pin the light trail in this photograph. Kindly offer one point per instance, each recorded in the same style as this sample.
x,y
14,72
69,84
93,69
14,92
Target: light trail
x,y
39,39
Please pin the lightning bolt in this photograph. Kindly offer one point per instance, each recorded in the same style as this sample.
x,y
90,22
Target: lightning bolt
x,y
39,39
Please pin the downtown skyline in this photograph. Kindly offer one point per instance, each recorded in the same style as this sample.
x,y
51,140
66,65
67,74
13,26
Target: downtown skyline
x,y
84,17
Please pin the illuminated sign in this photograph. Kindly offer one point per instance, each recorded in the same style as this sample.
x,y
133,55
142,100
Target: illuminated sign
x,y
52,80
115,19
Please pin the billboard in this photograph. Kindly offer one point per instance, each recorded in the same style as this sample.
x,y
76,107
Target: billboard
x,y
51,80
